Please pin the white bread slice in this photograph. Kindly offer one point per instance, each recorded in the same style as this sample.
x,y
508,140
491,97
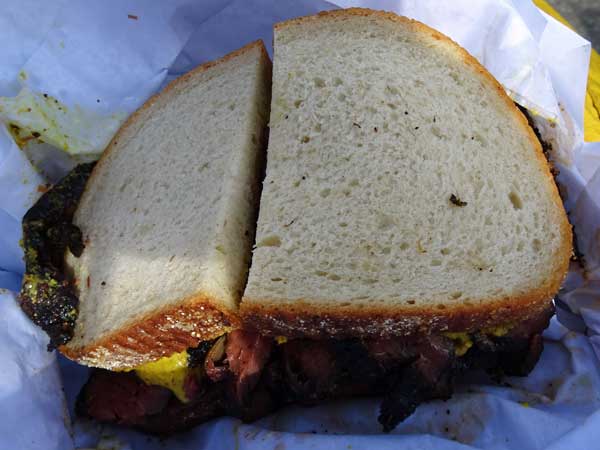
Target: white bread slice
x,y
168,216
377,122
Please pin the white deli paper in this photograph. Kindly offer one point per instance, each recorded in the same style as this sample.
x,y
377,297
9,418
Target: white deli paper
x,y
120,52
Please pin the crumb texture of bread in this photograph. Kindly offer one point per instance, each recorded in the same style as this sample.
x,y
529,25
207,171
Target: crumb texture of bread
x,y
404,190
168,216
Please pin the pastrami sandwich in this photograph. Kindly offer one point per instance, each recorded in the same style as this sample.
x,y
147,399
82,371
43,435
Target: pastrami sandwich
x,y
409,230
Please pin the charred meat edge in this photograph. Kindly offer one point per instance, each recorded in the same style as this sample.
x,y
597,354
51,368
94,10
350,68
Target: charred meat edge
x,y
47,294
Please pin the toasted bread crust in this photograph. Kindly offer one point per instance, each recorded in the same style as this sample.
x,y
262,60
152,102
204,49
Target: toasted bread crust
x,y
172,329
162,333
306,318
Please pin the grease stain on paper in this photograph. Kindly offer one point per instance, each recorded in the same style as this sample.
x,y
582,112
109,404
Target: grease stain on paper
x,y
37,116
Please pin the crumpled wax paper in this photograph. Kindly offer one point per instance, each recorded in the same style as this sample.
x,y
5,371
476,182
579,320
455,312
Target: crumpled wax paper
x,y
33,411
543,66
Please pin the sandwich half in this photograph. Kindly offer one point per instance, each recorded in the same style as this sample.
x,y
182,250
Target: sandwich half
x,y
166,221
405,193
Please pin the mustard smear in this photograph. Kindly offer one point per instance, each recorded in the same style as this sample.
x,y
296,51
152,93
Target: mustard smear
x,y
462,342
40,117
281,339
169,372
498,331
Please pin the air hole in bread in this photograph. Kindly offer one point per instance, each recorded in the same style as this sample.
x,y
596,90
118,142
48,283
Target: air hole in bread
x,y
319,82
536,244
410,302
404,246
437,132
456,78
270,241
445,251
515,200
456,295
384,221
297,103
479,138
436,262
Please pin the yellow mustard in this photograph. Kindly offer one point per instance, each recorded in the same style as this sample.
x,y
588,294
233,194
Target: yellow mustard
x,y
169,372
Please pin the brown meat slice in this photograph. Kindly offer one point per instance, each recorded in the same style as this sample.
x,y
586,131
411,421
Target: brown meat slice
x,y
247,353
215,372
256,377
429,376
121,398
308,369
390,352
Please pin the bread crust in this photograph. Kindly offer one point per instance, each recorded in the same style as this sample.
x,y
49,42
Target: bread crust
x,y
162,333
307,318
171,329
171,88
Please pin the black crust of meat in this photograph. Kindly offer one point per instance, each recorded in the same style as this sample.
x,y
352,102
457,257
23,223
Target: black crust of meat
x,y
433,373
547,149
429,376
47,294
196,355
407,372
406,393
546,146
